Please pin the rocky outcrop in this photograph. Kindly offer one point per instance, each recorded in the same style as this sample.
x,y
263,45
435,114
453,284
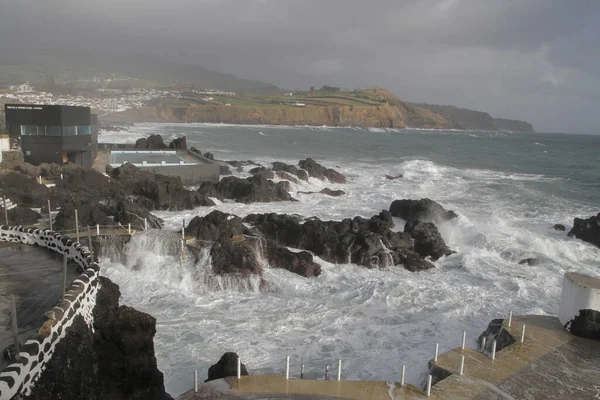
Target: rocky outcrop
x,y
586,324
428,241
250,190
178,144
21,215
290,169
496,332
157,192
300,263
529,261
367,242
238,250
423,210
560,227
462,118
215,225
316,170
587,229
23,189
267,173
236,256
152,142
226,366
114,361
393,177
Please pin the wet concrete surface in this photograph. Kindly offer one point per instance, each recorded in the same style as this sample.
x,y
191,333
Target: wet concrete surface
x,y
34,275
550,364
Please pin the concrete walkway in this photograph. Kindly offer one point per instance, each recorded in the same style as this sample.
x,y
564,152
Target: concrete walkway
x,y
550,364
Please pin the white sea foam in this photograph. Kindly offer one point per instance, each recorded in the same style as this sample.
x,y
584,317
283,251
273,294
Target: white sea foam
x,y
375,320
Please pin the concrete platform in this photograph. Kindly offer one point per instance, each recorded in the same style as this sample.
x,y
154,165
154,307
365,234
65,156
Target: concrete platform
x,y
550,364
34,275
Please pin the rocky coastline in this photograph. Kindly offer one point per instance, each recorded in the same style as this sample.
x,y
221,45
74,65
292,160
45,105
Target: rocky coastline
x,y
120,351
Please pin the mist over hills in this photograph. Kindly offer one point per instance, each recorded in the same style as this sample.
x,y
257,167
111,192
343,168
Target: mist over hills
x,y
74,67
17,66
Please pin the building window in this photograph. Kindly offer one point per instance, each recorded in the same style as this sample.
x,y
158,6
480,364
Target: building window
x,y
53,131
69,130
84,130
33,130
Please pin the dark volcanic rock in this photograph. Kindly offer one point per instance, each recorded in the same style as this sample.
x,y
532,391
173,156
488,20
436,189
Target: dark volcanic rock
x,y
214,225
226,366
316,170
159,192
153,142
367,242
391,178
560,227
238,256
262,171
115,361
428,241
586,324
290,169
21,216
209,155
287,176
414,263
530,261
253,189
178,144
587,229
424,210
22,189
496,332
300,263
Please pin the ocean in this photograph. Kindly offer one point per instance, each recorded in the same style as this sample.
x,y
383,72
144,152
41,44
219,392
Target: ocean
x,y
509,189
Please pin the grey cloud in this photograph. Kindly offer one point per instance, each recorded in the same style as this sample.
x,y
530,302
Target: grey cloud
x,y
535,60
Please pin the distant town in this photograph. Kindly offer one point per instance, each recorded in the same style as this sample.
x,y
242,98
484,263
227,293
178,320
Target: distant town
x,y
108,100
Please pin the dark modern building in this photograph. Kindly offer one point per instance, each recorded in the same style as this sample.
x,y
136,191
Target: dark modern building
x,y
53,133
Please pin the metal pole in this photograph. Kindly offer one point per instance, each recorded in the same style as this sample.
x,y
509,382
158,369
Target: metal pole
x,y
483,345
523,334
98,229
464,339
340,369
287,367
183,231
195,381
494,350
145,224
129,228
76,225
403,375
510,318
301,371
429,386
40,179
437,348
15,327
239,367
327,372
462,364
49,215
90,241
64,276
5,210
61,176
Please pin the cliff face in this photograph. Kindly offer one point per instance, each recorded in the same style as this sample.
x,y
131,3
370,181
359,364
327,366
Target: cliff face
x,y
513,125
387,112
114,361
462,118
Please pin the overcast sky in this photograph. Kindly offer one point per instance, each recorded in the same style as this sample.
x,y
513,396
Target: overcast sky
x,y
536,60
